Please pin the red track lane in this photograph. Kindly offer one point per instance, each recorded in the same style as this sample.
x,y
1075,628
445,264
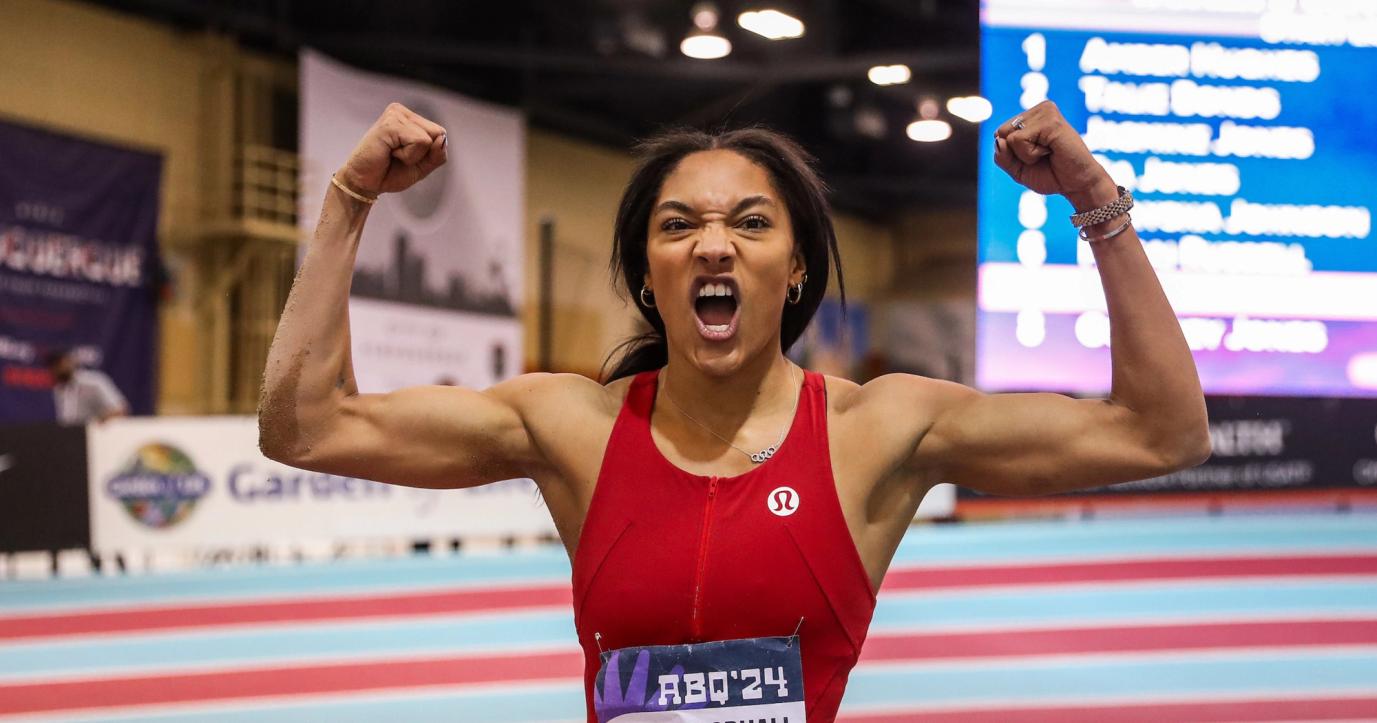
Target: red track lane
x,y
393,674
286,681
324,608
1246,710
147,619
1001,643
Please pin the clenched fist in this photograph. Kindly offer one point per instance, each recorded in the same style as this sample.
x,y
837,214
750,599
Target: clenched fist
x,y
399,150
1040,150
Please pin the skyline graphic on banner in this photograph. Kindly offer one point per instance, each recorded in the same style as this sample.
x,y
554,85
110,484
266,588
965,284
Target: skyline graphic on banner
x,y
403,279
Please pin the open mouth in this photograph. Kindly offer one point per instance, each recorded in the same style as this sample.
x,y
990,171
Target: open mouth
x,y
716,308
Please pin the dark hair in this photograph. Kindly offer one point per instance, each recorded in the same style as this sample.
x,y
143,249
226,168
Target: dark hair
x,y
791,171
54,356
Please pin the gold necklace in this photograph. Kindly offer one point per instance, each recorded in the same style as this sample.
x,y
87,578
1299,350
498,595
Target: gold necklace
x,y
758,457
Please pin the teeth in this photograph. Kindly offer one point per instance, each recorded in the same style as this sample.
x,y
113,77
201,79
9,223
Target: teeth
x,y
715,290
717,328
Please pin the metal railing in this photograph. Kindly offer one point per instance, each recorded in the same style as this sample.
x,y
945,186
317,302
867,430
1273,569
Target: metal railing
x,y
250,263
265,186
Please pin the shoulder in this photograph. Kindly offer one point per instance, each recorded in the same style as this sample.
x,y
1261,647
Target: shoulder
x,y
92,378
890,415
907,393
568,418
87,376
568,394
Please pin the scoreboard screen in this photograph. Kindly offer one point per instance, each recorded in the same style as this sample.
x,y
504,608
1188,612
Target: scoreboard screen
x,y
1247,130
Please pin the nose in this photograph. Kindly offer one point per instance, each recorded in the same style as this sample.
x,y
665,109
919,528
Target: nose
x,y
714,244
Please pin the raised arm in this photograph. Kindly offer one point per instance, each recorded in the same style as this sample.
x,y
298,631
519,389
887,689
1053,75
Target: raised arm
x,y
1154,420
311,414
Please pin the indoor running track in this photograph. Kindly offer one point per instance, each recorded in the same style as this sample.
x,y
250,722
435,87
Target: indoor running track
x,y
1233,618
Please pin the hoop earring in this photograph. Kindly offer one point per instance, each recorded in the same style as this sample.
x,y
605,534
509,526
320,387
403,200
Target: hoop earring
x,y
795,293
647,303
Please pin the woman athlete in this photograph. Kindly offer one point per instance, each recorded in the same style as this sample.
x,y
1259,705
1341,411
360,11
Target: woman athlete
x,y
712,490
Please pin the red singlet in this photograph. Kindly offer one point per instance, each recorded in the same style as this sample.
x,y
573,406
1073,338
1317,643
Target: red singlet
x,y
666,557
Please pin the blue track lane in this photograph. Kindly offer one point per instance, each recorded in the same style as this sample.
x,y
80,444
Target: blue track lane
x,y
308,580
1303,672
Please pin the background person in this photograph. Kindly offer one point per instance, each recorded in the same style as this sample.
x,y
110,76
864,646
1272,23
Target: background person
x,y
83,395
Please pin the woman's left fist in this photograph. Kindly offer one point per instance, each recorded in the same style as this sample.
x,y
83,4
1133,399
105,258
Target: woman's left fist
x,y
1040,150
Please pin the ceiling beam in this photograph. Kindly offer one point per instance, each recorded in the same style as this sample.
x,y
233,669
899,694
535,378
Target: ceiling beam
x,y
428,50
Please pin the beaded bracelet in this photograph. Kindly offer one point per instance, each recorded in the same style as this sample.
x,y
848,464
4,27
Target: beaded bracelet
x,y
1099,215
351,192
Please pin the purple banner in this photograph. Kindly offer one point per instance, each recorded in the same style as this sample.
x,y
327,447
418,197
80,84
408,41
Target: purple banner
x,y
78,266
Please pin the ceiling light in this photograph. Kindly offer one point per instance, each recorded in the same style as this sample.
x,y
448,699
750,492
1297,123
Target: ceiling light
x,y
927,108
870,123
772,24
704,16
889,74
704,42
705,46
839,96
972,108
929,131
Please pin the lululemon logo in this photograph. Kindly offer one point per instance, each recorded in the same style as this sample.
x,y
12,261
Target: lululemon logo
x,y
783,501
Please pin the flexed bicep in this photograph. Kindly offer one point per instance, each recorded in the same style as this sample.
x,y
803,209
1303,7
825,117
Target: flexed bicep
x,y
1011,444
1040,443
432,436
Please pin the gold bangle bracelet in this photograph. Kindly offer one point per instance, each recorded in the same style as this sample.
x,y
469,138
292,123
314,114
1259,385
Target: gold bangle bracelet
x,y
351,192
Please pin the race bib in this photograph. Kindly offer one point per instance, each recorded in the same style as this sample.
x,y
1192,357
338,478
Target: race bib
x,y
718,682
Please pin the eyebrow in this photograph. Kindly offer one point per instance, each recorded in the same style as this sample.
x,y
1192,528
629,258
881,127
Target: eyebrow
x,y
740,206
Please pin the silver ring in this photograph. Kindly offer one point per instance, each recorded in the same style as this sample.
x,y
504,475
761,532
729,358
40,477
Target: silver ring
x,y
1017,123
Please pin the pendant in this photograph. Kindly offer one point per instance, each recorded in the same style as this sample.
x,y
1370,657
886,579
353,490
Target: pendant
x,y
763,454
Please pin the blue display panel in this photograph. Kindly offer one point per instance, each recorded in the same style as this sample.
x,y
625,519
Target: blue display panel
x,y
1247,129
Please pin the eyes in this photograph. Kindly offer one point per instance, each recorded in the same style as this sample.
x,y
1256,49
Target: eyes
x,y
754,222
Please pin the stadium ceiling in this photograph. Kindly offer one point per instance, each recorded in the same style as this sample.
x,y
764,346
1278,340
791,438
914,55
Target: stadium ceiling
x,y
611,71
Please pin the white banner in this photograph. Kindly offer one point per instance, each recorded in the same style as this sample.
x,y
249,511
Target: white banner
x,y
191,484
939,502
437,283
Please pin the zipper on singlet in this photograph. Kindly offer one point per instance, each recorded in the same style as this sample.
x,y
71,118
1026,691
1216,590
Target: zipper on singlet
x,y
696,621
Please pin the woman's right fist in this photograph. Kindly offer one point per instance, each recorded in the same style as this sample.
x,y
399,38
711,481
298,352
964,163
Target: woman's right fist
x,y
400,149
